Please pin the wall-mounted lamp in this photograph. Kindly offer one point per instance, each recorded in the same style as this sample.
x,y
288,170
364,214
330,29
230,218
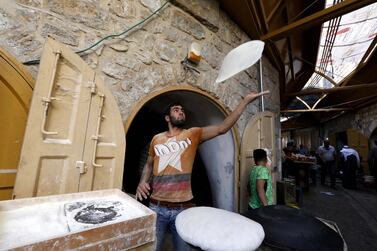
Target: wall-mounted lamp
x,y
193,57
194,54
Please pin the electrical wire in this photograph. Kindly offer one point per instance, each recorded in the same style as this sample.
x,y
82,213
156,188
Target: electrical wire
x,y
34,62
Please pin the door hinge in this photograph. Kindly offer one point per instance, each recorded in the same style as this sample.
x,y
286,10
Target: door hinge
x,y
93,87
82,166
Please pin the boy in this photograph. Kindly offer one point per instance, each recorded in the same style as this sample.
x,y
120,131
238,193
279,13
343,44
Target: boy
x,y
260,181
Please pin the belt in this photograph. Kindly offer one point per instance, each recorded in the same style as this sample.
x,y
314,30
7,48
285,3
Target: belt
x,y
168,204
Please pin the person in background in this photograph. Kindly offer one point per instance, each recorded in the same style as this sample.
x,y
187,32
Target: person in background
x,y
303,150
351,162
372,162
327,155
287,164
292,146
314,168
260,181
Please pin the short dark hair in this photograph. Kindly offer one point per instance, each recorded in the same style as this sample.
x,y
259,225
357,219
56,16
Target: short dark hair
x,y
169,106
259,155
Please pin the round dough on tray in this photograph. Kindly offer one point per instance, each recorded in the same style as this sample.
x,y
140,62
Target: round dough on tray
x,y
216,229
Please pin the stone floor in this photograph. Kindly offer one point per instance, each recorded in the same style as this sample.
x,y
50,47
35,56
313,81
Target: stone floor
x,y
354,211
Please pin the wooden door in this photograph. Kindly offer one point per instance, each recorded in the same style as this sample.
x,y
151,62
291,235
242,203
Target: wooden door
x,y
16,88
360,143
59,132
105,143
259,133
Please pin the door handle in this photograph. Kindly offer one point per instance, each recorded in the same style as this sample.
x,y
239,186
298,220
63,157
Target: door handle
x,y
47,100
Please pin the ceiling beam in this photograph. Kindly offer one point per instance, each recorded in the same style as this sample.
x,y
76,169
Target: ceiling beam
x,y
326,77
261,7
256,8
370,51
320,17
278,7
316,110
295,85
262,27
290,57
331,90
368,54
366,103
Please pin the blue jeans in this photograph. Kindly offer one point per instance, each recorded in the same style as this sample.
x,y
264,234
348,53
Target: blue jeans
x,y
166,220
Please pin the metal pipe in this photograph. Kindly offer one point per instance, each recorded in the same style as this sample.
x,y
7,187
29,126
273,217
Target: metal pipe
x,y
261,89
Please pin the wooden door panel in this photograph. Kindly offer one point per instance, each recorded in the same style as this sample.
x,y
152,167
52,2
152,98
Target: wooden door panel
x,y
105,143
74,139
56,128
16,87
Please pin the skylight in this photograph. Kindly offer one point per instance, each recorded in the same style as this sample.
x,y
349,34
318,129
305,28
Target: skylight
x,y
344,41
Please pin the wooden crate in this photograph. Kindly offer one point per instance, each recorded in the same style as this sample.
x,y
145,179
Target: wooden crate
x,y
286,193
135,233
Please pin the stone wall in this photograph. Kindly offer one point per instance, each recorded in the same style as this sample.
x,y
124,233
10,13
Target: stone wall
x,y
363,120
366,120
339,124
146,59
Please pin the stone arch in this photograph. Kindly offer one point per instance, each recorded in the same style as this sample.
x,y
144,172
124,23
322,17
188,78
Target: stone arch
x,y
219,155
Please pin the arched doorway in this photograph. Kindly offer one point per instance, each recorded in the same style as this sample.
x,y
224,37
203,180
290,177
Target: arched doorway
x,y
214,173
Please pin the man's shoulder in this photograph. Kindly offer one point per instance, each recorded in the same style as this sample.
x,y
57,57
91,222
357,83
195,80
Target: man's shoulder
x,y
195,130
159,135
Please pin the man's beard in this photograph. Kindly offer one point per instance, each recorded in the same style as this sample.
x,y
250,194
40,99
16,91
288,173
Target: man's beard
x,y
177,122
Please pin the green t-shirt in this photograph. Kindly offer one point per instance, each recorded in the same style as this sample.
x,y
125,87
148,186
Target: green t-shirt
x,y
260,173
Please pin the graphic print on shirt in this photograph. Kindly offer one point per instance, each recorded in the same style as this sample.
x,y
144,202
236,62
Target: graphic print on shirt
x,y
170,153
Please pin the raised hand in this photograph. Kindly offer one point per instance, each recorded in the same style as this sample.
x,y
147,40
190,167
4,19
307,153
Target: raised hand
x,y
253,95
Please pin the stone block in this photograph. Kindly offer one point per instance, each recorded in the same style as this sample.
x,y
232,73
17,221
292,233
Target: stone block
x,y
22,44
205,11
188,24
152,5
33,3
127,60
145,56
120,46
7,22
81,11
166,51
60,33
124,8
212,56
171,34
114,70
